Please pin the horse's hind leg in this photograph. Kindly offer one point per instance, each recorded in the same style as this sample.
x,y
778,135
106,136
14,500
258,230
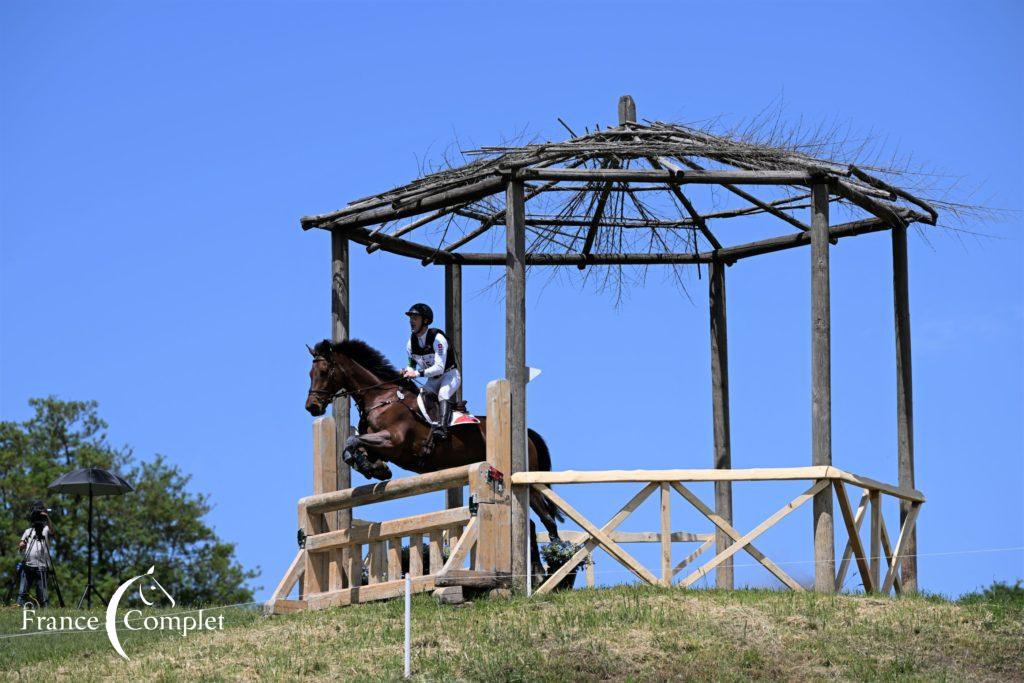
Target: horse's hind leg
x,y
539,572
541,506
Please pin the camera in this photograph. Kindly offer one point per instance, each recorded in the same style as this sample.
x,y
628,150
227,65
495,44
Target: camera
x,y
39,513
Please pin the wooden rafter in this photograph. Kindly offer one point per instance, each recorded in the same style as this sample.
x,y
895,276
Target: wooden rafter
x,y
764,206
595,220
694,214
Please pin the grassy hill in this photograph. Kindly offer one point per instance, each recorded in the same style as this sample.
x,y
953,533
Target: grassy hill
x,y
625,632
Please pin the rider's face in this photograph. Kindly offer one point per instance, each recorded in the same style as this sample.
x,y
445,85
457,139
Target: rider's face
x,y
415,322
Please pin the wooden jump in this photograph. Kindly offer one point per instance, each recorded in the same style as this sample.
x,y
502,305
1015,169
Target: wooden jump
x,y
330,565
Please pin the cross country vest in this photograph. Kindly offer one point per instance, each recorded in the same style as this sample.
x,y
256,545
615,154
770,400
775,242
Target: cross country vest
x,y
426,351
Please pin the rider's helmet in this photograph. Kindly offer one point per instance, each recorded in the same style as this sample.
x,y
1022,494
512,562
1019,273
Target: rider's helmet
x,y
423,311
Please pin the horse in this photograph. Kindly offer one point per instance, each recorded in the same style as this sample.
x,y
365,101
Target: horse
x,y
390,427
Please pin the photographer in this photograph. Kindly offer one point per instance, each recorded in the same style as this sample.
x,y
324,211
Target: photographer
x,y
35,550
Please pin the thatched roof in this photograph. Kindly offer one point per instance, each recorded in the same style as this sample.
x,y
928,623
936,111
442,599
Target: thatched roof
x,y
628,194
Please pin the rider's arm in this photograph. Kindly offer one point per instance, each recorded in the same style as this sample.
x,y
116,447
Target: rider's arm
x,y
440,356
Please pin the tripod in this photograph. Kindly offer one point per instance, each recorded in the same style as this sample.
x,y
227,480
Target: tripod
x,y
47,572
90,588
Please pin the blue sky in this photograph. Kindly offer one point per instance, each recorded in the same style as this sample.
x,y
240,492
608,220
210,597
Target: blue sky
x,y
156,158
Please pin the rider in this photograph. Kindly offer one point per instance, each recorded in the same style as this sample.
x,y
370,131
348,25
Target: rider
x,y
431,356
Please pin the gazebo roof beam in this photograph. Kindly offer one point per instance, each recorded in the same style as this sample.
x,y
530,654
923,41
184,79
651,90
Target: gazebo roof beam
x,y
595,221
486,224
726,254
409,227
666,176
753,200
694,214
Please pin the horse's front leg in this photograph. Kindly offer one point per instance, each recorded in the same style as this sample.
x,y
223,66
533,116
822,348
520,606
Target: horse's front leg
x,y
355,454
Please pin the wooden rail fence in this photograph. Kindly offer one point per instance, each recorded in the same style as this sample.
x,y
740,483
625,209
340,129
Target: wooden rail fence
x,y
822,478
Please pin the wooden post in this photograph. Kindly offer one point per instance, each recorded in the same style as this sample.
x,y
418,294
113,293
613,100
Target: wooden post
x,y
494,541
876,539
627,110
515,365
325,478
453,331
340,332
821,389
724,577
904,398
666,535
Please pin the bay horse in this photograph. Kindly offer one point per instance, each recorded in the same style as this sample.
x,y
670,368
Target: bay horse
x,y
390,427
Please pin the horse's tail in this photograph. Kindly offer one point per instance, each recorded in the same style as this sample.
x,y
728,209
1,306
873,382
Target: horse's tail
x,y
544,465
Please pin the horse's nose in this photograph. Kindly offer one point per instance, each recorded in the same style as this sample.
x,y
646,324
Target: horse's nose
x,y
311,407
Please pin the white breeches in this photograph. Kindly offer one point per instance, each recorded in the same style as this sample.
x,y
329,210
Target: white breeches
x,y
445,385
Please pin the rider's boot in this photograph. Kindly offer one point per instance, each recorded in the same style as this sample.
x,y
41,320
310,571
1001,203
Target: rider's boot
x,y
446,417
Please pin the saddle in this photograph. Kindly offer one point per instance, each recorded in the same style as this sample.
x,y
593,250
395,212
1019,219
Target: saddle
x,y
430,410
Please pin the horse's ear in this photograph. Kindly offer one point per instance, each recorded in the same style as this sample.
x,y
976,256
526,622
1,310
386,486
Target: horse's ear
x,y
311,351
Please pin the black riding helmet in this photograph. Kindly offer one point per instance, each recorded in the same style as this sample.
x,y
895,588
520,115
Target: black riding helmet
x,y
423,311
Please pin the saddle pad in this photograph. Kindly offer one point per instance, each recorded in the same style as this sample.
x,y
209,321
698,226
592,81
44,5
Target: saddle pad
x,y
458,417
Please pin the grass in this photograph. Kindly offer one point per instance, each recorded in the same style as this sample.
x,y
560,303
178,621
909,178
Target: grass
x,y
636,633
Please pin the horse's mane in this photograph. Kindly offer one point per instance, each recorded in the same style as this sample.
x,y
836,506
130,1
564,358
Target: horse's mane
x,y
369,357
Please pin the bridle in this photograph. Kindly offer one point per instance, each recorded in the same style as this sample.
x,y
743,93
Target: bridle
x,y
327,396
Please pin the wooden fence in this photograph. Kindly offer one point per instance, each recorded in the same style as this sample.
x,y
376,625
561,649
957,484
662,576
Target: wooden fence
x,y
609,539
367,561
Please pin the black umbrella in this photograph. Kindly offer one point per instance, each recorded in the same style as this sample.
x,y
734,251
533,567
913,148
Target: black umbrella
x,y
95,482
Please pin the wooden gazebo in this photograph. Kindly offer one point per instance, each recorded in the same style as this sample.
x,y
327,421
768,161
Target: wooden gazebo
x,y
628,196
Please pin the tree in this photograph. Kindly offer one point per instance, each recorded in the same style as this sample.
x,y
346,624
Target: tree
x,y
160,523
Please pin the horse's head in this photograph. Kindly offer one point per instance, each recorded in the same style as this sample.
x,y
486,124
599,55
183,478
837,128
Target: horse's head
x,y
324,378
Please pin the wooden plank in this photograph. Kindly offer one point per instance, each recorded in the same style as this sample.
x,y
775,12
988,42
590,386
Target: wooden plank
x,y
467,540
693,556
381,531
499,415
314,575
628,536
821,389
394,559
515,366
911,495
906,531
493,550
354,568
640,476
735,535
386,490
471,578
590,570
666,536
290,578
282,606
876,538
724,575
844,565
904,395
666,176
887,548
361,594
416,555
610,546
867,577
589,543
754,533
436,552
376,557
